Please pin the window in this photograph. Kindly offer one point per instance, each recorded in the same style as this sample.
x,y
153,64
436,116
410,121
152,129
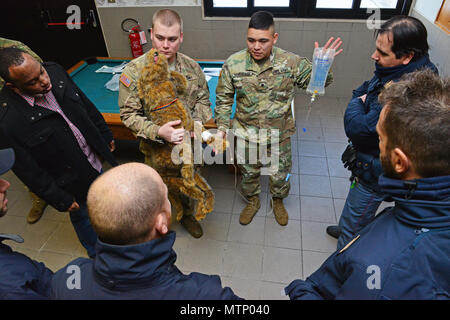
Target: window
x,y
333,9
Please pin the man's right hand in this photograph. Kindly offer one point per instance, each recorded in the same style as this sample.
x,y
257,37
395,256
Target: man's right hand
x,y
74,207
170,134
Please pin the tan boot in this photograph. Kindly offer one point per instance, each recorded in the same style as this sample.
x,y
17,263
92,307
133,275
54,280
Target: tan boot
x,y
279,211
37,209
250,210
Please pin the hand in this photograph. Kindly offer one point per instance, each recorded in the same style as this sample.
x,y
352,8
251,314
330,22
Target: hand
x,y
112,146
363,98
170,134
336,44
74,207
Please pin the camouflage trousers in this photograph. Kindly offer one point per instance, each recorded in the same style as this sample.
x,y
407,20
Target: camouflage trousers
x,y
278,157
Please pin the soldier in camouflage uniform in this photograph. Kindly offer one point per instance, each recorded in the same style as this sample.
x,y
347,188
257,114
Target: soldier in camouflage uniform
x,y
38,204
167,36
263,78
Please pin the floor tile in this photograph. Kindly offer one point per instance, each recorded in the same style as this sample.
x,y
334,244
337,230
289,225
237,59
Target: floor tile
x,y
312,261
311,149
339,187
313,166
224,199
314,237
244,288
317,209
204,256
281,265
316,186
288,236
336,168
252,233
216,225
273,291
243,261
335,149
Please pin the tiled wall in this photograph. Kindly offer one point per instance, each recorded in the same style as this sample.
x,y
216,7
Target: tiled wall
x,y
439,42
218,39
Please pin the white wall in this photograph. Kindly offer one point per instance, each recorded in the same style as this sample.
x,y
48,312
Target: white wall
x,y
428,8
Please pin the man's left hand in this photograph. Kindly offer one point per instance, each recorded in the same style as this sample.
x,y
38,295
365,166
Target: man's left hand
x,y
335,45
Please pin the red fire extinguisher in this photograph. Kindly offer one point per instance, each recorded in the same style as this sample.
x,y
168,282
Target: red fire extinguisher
x,y
134,37
135,42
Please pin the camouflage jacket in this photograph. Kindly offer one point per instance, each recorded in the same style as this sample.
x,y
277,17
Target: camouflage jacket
x,y
5,43
263,93
132,112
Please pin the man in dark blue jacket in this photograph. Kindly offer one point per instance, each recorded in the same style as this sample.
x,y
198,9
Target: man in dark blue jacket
x,y
401,48
20,277
130,211
404,253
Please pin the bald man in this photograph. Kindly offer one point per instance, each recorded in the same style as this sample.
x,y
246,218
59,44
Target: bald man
x,y
131,213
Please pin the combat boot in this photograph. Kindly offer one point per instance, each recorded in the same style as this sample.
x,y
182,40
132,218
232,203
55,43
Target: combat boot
x,y
250,210
37,209
279,211
192,226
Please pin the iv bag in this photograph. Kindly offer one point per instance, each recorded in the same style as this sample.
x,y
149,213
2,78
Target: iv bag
x,y
321,64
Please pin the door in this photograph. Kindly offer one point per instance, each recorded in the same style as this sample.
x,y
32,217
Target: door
x,y
64,31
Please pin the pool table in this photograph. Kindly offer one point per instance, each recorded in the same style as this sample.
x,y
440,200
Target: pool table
x,y
93,85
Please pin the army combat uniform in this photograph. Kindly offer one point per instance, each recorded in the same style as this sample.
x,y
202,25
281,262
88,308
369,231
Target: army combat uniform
x,y
132,109
136,116
263,101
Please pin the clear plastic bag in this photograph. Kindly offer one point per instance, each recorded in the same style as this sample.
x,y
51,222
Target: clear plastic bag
x,y
113,84
321,64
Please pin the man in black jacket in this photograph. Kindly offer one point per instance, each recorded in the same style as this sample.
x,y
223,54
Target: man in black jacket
x,y
58,135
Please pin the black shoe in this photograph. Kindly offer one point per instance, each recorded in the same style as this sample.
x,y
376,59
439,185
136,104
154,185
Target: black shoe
x,y
192,226
334,231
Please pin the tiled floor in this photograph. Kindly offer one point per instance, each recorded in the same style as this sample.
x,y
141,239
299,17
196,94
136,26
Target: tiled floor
x,y
258,260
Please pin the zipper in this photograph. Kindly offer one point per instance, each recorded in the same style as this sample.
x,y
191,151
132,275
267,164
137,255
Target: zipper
x,y
423,232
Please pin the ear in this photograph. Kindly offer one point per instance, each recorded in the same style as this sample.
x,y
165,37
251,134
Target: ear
x,y
12,87
162,223
151,34
400,162
275,37
408,58
181,37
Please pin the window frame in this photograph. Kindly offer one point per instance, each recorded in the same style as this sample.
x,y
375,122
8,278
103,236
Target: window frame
x,y
306,9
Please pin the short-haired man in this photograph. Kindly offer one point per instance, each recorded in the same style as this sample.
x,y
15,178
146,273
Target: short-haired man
x,y
401,47
167,36
404,253
263,77
38,205
131,213
20,278
58,135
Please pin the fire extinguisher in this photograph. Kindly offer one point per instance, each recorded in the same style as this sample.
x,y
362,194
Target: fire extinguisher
x,y
134,37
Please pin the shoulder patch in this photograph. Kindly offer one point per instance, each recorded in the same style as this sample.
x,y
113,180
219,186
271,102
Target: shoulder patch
x,y
125,80
349,244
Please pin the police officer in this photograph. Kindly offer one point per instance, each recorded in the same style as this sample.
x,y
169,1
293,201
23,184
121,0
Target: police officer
x,y
38,204
263,78
401,48
167,36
